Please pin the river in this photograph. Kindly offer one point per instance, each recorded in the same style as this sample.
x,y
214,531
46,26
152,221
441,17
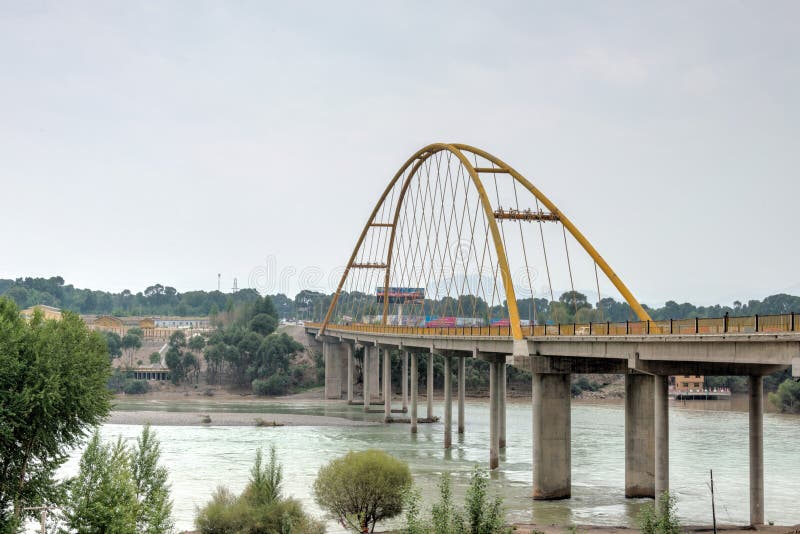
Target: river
x,y
200,458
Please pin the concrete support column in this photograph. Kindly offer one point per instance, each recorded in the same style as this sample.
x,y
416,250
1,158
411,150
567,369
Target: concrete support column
x,y
404,382
661,433
502,407
333,378
430,386
448,402
552,454
756,450
374,373
387,385
365,371
414,391
640,460
350,370
461,393
494,417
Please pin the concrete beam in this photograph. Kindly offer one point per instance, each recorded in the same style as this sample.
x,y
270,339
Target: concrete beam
x,y
414,390
661,433
448,402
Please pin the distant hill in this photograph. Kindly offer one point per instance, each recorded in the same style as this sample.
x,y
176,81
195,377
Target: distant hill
x,y
165,300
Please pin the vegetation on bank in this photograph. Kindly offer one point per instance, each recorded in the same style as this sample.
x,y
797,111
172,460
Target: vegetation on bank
x,y
53,391
260,508
158,299
119,490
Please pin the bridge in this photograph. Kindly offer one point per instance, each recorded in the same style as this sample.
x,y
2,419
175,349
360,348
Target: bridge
x,y
459,259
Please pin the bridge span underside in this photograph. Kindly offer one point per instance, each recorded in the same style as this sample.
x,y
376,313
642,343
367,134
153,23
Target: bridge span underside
x,y
646,361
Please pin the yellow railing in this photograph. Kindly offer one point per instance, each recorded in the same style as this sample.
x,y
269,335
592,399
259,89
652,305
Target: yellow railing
x,y
789,322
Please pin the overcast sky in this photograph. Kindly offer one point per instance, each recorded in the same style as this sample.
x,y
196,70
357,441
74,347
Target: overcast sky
x,y
145,142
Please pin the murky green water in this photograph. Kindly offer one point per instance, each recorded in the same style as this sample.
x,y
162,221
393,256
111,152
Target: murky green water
x,y
199,459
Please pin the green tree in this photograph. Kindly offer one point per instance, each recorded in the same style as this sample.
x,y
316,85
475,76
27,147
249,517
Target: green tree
x,y
155,357
154,511
131,342
263,324
787,398
362,488
102,497
196,343
259,509
663,521
114,343
53,389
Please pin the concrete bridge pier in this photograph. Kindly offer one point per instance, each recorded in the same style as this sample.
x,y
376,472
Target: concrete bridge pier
x,y
365,370
494,416
414,391
756,439
461,393
448,401
350,370
374,373
661,434
333,368
387,384
639,436
502,407
404,382
429,385
552,455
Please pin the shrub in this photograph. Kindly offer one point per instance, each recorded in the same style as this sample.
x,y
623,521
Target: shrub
x,y
259,509
787,398
277,384
135,387
663,521
481,515
362,488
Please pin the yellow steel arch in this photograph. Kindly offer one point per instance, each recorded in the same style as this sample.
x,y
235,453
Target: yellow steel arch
x,y
458,150
587,246
502,260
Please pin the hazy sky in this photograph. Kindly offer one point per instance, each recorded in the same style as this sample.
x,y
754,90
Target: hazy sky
x,y
145,142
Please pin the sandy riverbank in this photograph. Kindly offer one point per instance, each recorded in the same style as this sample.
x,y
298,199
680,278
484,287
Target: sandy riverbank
x,y
198,418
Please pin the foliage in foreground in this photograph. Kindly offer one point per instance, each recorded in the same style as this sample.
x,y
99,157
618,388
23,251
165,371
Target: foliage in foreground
x,y
53,377
260,509
362,488
661,521
787,398
480,514
120,490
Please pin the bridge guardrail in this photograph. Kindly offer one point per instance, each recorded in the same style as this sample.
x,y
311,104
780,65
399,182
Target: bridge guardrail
x,y
783,323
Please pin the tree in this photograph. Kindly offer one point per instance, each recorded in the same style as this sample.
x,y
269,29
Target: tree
x,y
260,507
131,342
363,488
263,324
154,511
120,491
102,497
114,343
53,389
196,343
155,357
787,398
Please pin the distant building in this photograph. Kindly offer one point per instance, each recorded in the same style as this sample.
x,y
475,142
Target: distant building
x,y
49,312
689,383
181,322
107,321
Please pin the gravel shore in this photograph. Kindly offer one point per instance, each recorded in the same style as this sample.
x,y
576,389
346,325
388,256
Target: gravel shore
x,y
226,419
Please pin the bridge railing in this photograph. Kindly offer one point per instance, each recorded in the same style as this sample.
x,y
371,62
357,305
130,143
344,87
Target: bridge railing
x,y
788,322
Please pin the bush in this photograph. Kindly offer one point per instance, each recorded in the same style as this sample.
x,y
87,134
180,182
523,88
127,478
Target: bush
x,y
481,515
362,488
259,509
663,521
787,398
135,387
277,384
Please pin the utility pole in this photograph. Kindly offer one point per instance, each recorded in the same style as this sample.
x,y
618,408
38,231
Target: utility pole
x,y
219,281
